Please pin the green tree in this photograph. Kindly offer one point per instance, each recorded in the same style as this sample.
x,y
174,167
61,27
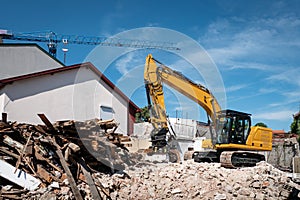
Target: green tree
x,y
294,127
143,115
261,124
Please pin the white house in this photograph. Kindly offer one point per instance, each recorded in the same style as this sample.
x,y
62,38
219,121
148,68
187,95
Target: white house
x,y
78,92
21,59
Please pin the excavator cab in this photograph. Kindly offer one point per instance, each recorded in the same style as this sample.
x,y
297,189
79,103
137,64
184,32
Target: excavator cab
x,y
233,127
238,143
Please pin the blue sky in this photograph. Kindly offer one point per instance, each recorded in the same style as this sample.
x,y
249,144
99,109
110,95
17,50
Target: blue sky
x,y
254,44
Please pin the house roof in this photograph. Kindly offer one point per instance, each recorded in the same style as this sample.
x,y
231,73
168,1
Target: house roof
x,y
278,132
89,65
31,45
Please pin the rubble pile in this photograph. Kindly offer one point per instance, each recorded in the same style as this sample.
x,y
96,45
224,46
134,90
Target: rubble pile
x,y
191,180
41,161
88,160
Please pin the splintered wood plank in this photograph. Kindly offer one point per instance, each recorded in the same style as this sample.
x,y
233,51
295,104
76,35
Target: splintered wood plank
x,y
46,121
89,179
68,172
23,151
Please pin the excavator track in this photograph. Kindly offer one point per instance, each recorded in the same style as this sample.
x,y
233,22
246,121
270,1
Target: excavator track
x,y
234,159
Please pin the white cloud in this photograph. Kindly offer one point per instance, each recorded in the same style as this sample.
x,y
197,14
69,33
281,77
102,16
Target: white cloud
x,y
285,99
233,44
218,27
292,95
259,92
266,90
275,104
275,115
180,65
252,65
291,98
289,76
153,24
234,88
128,62
225,58
122,64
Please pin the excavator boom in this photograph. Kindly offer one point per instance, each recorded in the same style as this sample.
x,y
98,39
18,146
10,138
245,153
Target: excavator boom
x,y
154,78
156,104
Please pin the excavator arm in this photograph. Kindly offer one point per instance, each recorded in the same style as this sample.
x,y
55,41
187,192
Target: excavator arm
x,y
154,77
156,104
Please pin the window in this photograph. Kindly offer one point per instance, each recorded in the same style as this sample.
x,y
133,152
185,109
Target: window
x,y
246,129
106,112
224,130
239,131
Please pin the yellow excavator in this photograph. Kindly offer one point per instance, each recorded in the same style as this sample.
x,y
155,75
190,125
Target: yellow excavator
x,y
235,143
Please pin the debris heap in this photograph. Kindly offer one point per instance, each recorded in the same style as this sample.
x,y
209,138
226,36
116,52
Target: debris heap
x,y
58,159
88,160
191,180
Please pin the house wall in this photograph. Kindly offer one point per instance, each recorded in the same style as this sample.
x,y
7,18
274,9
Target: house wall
x,y
2,102
97,93
73,94
19,59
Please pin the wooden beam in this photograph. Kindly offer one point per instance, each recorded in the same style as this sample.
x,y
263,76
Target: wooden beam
x,y
89,179
68,172
22,152
12,143
2,149
46,121
4,117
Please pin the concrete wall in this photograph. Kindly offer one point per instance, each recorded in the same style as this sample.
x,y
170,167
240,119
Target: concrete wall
x,y
73,94
183,146
142,130
138,144
283,152
20,59
185,130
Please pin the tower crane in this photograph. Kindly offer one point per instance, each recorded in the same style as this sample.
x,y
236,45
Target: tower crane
x,y
52,39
